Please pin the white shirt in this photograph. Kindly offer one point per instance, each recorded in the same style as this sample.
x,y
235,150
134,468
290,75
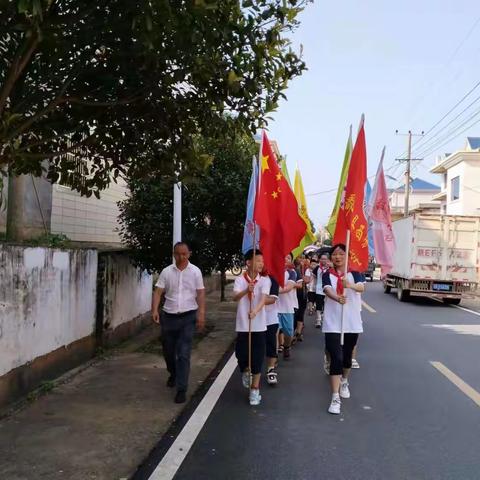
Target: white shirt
x,y
285,302
272,310
261,288
311,287
319,287
180,288
332,316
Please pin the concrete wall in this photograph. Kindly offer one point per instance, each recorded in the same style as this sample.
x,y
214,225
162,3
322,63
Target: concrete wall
x,y
57,307
125,294
469,201
88,219
397,199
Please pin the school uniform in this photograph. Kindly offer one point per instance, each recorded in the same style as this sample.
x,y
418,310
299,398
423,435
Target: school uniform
x,y
341,356
258,323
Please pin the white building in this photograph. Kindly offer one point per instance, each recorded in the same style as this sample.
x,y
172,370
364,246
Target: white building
x,y
460,172
420,198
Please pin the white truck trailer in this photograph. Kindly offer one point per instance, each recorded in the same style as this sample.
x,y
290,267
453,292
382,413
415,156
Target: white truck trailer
x,y
436,256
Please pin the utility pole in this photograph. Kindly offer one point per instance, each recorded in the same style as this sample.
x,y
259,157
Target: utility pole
x,y
408,161
177,212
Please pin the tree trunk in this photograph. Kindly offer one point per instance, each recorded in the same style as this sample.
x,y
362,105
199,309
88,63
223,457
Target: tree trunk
x,y
223,282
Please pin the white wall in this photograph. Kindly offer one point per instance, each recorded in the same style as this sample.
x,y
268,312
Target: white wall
x,y
127,291
88,219
469,187
47,300
397,199
456,207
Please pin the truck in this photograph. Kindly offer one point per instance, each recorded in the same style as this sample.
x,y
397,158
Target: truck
x,y
436,256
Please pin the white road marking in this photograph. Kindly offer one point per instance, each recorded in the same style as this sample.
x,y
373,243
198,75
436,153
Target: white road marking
x,y
461,329
176,454
458,382
368,307
466,309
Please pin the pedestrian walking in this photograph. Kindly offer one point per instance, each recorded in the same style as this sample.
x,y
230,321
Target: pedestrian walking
x,y
250,290
287,302
342,304
182,286
312,286
271,310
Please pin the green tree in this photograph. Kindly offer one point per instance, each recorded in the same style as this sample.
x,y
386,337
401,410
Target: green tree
x,y
128,83
213,207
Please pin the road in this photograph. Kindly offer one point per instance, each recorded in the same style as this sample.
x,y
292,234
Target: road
x,y
406,419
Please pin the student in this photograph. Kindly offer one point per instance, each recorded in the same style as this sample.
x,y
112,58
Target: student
x,y
286,305
319,293
342,290
312,286
271,310
301,290
250,291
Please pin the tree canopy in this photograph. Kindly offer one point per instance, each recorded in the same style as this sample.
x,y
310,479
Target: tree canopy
x,y
127,84
213,209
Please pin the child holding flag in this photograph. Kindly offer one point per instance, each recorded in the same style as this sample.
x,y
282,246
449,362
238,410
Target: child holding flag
x,y
342,290
250,291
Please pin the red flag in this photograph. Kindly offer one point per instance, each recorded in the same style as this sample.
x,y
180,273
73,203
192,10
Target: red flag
x,y
276,213
351,215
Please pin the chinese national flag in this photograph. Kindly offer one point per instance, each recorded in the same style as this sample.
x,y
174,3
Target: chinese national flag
x,y
276,213
351,215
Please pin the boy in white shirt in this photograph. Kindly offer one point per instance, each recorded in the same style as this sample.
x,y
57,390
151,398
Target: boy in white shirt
x,y
250,291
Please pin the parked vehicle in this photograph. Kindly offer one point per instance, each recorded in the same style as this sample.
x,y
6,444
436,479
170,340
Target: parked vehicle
x,y
436,256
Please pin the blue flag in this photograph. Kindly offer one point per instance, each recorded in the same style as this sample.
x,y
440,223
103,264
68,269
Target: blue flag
x,y
368,193
250,226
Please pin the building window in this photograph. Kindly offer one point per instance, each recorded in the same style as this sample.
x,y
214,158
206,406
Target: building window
x,y
455,184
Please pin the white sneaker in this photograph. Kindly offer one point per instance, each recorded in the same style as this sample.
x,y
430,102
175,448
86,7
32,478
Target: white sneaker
x,y
255,397
335,406
344,390
318,322
272,376
355,364
246,380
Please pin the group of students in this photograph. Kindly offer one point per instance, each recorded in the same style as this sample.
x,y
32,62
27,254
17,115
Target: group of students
x,y
274,316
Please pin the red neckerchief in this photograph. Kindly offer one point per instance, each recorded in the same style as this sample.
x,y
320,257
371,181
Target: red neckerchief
x,y
246,276
340,288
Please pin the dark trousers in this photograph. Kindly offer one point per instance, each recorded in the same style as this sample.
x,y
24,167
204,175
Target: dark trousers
x,y
258,351
340,357
177,336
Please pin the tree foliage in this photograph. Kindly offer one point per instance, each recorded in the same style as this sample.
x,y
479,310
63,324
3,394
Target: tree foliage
x,y
213,209
129,83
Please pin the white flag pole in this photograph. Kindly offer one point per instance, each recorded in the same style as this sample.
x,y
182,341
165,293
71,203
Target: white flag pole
x,y
347,252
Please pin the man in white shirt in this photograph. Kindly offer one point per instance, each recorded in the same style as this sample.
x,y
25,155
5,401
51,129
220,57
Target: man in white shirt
x,y
182,285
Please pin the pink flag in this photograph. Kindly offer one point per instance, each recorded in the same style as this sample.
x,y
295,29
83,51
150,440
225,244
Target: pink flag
x,y
381,221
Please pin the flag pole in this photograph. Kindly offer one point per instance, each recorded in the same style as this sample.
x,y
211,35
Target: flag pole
x,y
254,273
347,253
249,318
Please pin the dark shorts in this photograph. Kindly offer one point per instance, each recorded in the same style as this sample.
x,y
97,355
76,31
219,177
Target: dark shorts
x,y
271,341
258,351
340,356
320,302
311,297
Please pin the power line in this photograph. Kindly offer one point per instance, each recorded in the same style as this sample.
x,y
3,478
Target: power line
x,y
447,125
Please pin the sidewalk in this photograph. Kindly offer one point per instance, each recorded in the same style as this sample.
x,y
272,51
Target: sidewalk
x,y
101,421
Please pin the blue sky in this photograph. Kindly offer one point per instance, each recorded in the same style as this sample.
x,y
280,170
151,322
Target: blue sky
x,y
403,64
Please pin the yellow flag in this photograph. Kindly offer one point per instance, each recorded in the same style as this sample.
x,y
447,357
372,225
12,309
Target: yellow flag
x,y
309,237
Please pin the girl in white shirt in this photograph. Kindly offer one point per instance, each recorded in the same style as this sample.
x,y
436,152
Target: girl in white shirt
x,y
342,290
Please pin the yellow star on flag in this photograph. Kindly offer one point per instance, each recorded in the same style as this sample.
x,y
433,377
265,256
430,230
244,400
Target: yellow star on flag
x,y
279,176
274,194
265,165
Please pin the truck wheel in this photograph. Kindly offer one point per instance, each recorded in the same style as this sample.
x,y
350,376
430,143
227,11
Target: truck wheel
x,y
386,288
452,301
402,294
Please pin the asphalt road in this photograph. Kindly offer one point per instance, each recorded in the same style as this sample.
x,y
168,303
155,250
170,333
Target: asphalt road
x,y
405,420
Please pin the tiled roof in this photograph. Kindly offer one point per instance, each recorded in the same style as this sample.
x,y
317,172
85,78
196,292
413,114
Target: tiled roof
x,y
419,184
